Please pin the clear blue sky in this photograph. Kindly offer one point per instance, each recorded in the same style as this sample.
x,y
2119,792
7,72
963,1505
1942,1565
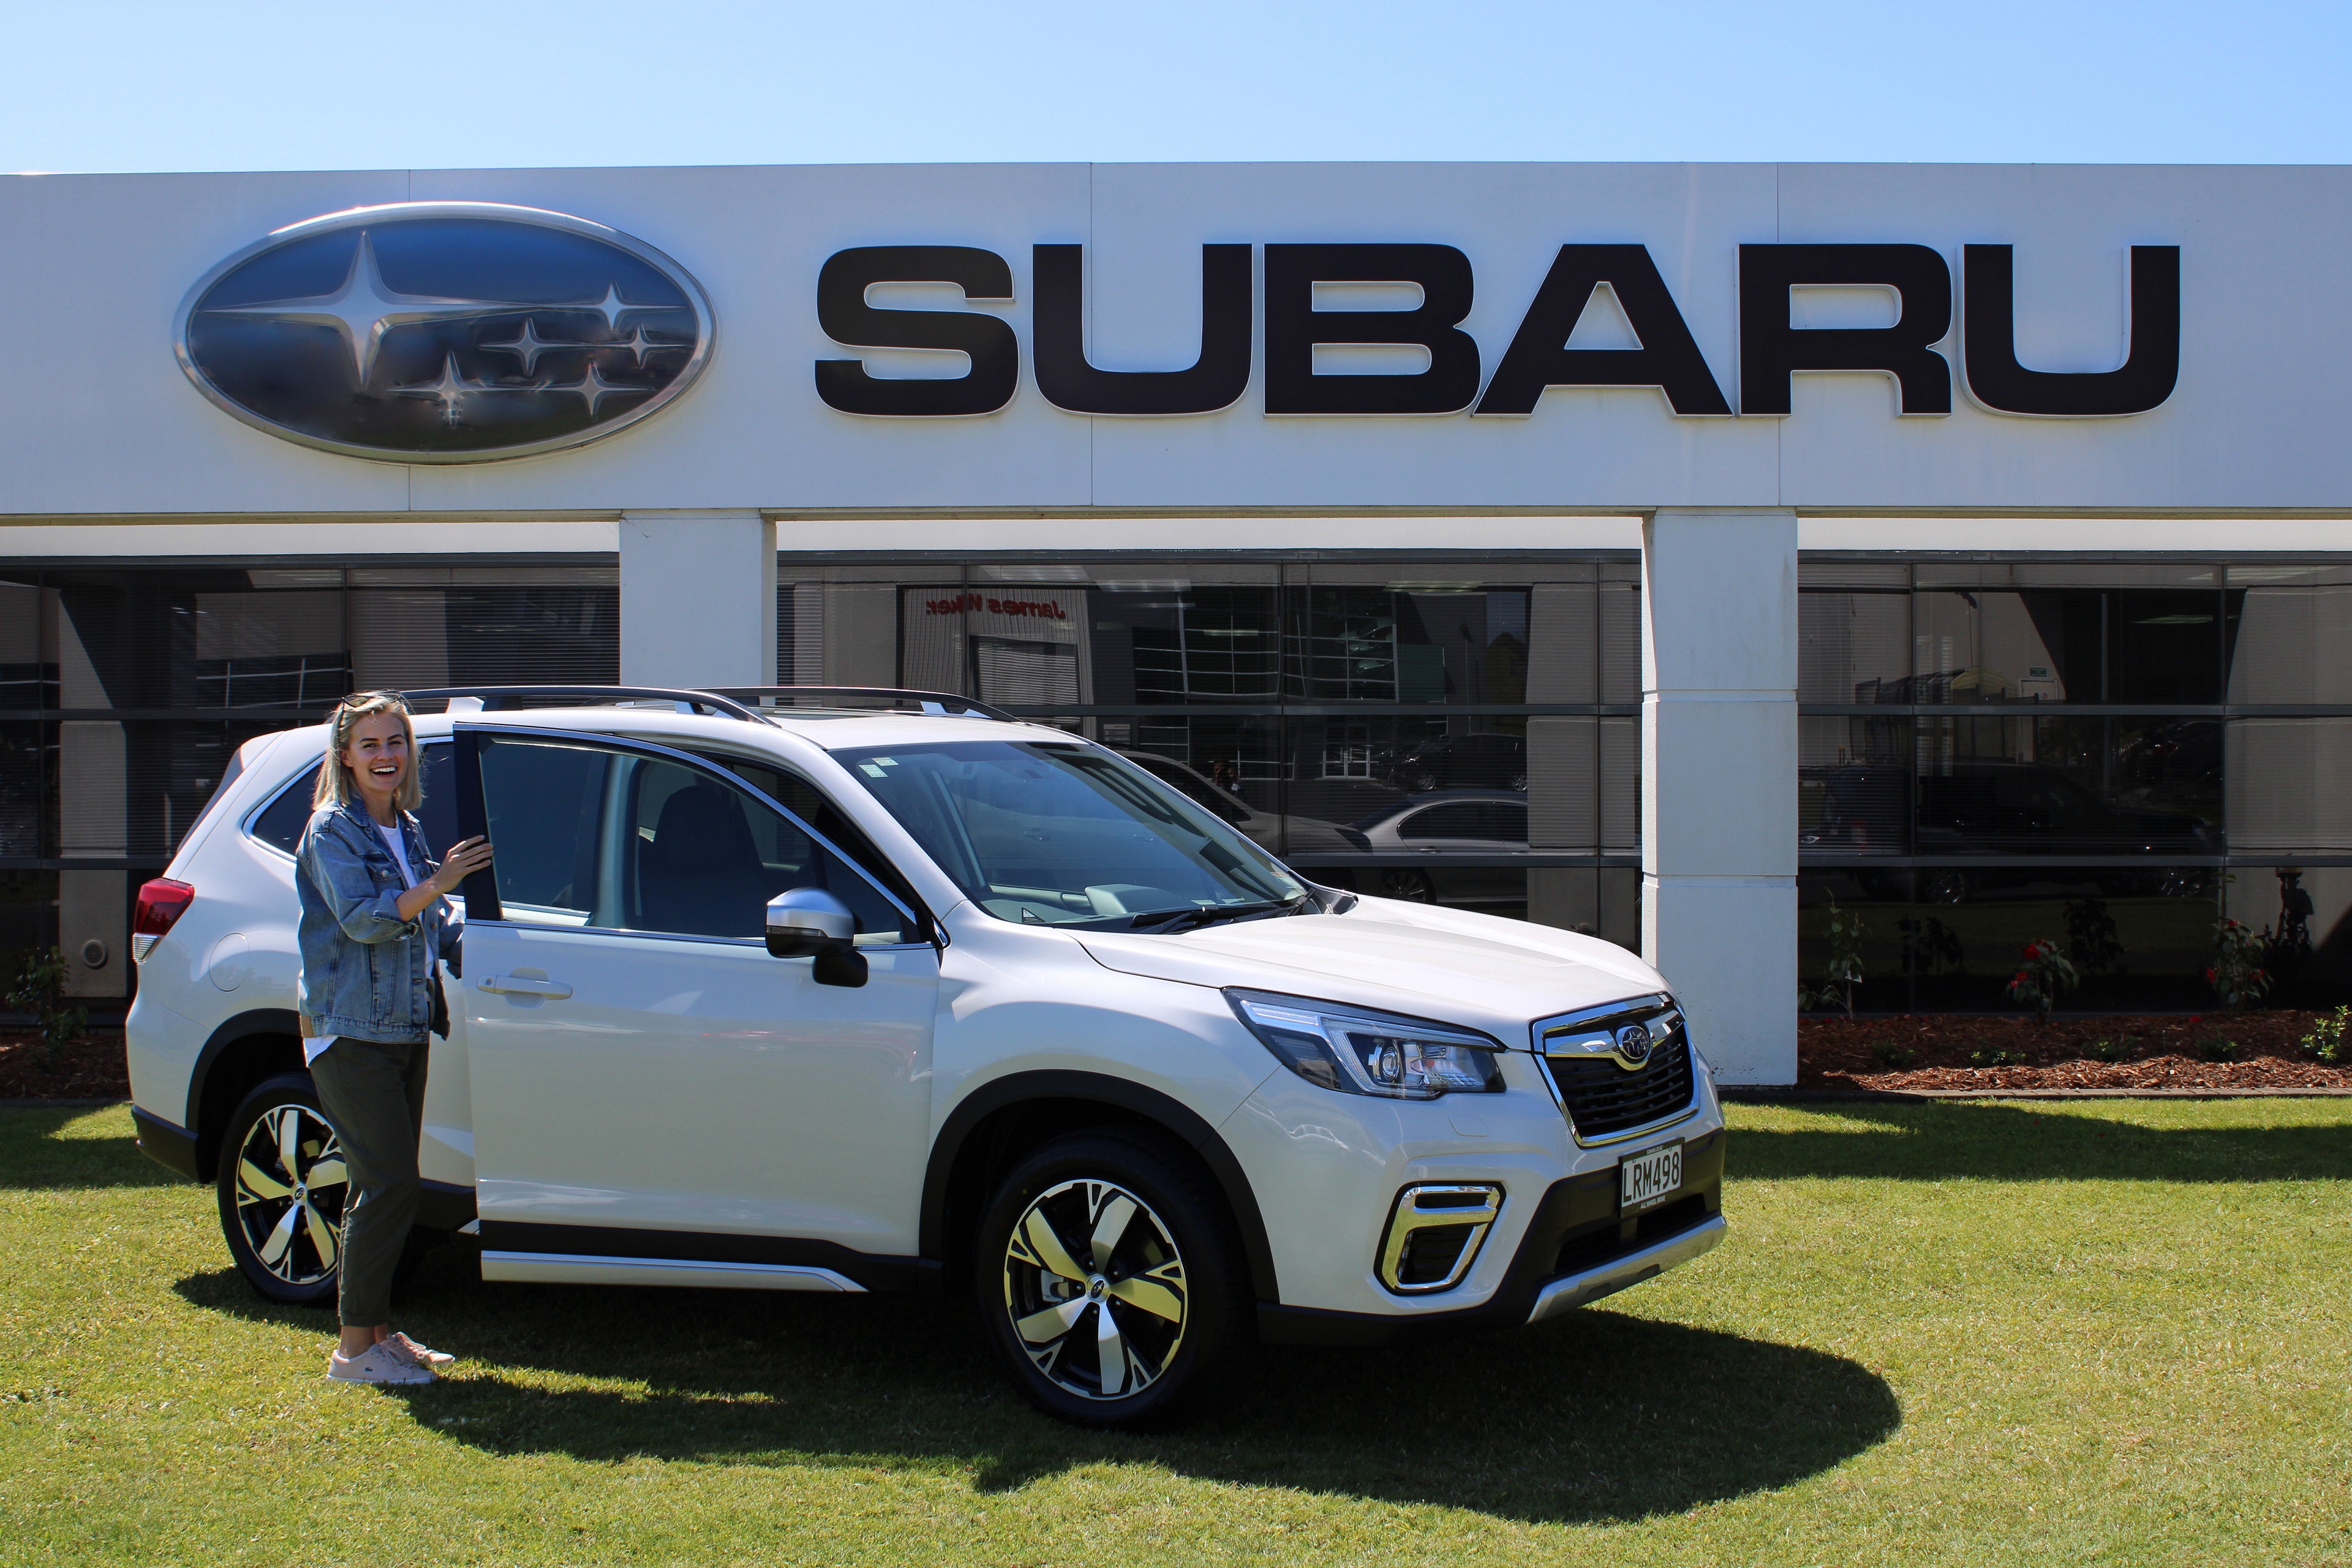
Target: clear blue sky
x,y
111,85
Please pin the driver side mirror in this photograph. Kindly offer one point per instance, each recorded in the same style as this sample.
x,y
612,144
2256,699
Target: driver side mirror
x,y
810,921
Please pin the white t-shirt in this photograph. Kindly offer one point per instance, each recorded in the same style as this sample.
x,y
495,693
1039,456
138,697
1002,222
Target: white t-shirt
x,y
397,842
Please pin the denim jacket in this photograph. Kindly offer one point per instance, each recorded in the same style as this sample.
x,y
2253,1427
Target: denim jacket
x,y
366,972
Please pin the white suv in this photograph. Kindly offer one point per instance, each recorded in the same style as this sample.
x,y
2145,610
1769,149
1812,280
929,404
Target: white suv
x,y
894,990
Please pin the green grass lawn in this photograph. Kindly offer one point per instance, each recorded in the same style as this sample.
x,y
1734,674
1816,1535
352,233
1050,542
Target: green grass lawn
x,y
2116,1332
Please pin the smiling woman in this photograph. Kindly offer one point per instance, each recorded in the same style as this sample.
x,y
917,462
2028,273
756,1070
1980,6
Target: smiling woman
x,y
374,930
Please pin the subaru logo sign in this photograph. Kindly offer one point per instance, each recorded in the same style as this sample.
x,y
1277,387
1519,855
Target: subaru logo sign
x,y
444,333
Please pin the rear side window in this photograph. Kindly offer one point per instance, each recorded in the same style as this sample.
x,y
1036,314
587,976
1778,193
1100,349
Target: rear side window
x,y
282,822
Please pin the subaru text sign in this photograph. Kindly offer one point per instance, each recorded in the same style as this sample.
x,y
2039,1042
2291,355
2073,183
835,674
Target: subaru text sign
x,y
444,333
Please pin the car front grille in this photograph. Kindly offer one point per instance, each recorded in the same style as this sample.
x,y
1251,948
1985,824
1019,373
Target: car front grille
x,y
1601,1097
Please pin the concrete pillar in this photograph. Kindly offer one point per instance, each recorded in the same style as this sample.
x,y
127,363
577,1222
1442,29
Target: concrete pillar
x,y
93,799
1719,781
697,599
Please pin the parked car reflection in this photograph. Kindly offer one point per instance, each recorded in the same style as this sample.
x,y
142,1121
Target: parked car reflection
x,y
1457,822
1278,832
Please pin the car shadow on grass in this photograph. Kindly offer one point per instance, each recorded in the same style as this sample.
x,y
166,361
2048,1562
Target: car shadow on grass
x,y
1599,1417
35,1154
2002,1141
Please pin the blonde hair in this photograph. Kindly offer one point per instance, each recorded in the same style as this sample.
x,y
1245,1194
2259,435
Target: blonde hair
x,y
335,787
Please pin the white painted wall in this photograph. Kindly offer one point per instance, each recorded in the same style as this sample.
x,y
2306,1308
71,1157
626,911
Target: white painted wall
x,y
1719,781
697,599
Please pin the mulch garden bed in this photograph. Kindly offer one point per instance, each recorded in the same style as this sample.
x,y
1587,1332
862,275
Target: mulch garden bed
x,y
1958,1051
91,1067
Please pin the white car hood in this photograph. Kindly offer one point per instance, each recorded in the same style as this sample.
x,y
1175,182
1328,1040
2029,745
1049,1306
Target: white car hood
x,y
1495,974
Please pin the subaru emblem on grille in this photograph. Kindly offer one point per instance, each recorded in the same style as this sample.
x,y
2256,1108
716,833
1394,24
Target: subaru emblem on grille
x,y
1633,1046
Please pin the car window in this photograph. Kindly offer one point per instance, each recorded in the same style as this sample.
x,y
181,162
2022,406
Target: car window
x,y
282,822
590,837
816,808
1482,819
1061,834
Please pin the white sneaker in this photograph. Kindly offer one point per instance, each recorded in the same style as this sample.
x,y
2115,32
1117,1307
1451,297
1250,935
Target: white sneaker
x,y
404,1349
376,1364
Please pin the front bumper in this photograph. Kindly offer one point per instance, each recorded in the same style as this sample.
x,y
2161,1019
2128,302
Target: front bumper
x,y
1574,1250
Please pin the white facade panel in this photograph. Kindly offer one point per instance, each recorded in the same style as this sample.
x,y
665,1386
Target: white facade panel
x,y
2265,316
95,418
95,415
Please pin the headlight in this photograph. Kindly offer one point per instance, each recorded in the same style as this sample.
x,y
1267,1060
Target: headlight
x,y
1356,1051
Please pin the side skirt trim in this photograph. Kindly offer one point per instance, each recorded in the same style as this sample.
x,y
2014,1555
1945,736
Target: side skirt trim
x,y
572,1268
755,1255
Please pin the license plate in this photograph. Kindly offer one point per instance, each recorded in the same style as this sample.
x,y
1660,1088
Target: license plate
x,y
1650,1178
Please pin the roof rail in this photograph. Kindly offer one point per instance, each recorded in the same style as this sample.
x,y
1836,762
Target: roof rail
x,y
495,699
941,702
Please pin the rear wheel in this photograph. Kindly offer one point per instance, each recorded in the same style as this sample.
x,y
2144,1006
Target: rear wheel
x,y
1108,1280
282,1186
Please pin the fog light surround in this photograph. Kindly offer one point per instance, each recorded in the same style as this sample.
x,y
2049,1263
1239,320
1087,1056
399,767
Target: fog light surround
x,y
1434,1234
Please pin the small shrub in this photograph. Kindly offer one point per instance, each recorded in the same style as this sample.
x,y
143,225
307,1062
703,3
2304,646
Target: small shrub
x,y
2237,975
2325,1040
1845,969
1999,1059
34,991
2217,1049
2046,975
1930,946
1891,1055
2091,938
2104,1051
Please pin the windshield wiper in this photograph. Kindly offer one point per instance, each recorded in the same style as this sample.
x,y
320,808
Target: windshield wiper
x,y
1166,922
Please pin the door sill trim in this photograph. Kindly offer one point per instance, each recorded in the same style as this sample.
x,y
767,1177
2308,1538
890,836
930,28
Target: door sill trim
x,y
584,1269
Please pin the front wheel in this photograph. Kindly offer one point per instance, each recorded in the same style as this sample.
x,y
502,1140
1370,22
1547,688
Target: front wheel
x,y
1108,1280
282,1187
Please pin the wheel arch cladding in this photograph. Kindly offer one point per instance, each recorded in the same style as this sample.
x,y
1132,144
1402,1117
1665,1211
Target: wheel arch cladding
x,y
243,1051
998,1122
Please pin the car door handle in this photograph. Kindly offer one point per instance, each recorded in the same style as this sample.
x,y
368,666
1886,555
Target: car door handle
x,y
518,986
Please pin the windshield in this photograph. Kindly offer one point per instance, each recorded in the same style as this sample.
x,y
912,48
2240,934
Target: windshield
x,y
1052,833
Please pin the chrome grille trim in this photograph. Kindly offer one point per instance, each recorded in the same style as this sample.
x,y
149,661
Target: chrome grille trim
x,y
1572,1045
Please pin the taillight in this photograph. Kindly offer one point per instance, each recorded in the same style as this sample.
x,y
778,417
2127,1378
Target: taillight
x,y
161,903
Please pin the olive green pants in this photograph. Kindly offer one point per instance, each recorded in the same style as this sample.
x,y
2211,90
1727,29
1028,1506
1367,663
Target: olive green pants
x,y
375,1095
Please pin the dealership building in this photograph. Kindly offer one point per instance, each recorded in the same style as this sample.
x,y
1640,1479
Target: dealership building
x,y
1662,552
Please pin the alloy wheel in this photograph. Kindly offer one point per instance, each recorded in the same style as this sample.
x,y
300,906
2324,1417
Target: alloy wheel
x,y
1095,1288
291,1186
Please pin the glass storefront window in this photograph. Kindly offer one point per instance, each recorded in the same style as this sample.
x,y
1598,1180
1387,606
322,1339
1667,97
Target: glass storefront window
x,y
1322,707
2161,728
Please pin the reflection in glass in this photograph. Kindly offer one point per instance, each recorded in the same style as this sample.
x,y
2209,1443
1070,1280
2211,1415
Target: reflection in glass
x,y
1049,834
1944,940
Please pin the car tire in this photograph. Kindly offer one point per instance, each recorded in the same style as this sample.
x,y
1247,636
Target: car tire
x,y
1109,1279
1412,886
284,1228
